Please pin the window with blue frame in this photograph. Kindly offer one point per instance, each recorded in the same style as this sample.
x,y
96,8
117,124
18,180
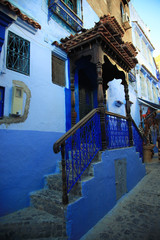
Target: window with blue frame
x,y
67,11
18,54
69,3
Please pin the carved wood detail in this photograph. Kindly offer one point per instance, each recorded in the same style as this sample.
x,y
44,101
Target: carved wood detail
x,y
128,114
100,98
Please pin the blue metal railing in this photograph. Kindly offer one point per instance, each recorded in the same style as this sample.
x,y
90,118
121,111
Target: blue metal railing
x,y
81,148
84,140
62,10
117,133
137,140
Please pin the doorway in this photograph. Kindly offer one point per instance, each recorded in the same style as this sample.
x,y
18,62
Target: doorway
x,y
86,94
120,177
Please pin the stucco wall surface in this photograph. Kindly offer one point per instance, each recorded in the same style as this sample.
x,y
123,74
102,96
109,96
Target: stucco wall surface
x,y
47,103
99,193
25,157
26,153
105,7
115,93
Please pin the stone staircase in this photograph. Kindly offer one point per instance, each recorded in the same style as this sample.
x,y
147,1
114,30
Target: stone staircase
x,y
46,216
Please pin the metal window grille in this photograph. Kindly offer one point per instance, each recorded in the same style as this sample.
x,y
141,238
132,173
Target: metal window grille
x,y
18,54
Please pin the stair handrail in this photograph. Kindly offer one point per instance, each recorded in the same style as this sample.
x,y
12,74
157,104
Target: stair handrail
x,y
142,136
137,128
116,115
61,140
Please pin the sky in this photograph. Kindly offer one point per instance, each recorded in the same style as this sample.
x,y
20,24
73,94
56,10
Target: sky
x,y
149,11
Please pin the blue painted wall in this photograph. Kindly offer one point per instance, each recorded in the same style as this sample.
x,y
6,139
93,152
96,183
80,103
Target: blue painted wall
x,y
4,22
99,193
26,153
26,157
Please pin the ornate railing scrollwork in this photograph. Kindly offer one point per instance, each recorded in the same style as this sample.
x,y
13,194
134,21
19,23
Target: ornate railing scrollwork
x,y
84,140
117,133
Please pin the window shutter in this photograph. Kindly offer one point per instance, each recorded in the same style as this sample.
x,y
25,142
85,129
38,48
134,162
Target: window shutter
x,y
58,71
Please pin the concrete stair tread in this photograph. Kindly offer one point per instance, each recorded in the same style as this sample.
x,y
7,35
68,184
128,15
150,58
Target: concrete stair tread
x,y
52,195
49,238
51,201
31,223
29,214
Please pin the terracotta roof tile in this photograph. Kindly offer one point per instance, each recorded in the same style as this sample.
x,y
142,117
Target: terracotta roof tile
x,y
111,33
20,14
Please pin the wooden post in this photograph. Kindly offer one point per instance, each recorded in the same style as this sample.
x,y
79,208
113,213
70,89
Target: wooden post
x,y
73,112
141,117
100,98
158,148
64,178
128,114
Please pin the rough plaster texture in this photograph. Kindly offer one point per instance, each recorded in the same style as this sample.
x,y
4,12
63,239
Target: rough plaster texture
x,y
9,120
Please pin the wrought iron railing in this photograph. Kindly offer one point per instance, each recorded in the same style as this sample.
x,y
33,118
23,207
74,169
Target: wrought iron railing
x,y
83,141
78,148
117,133
63,11
81,148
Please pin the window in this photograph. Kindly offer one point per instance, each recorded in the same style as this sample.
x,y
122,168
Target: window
x,y
144,48
143,85
69,3
150,57
122,10
68,11
149,89
155,94
58,71
137,38
18,54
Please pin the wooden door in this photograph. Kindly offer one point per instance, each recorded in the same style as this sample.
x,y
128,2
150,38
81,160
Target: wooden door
x,y
85,101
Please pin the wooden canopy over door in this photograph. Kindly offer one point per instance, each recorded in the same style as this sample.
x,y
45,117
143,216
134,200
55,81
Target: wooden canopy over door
x,y
104,39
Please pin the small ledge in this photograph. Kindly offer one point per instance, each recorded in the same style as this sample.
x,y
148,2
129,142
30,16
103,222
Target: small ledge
x,y
26,26
14,115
